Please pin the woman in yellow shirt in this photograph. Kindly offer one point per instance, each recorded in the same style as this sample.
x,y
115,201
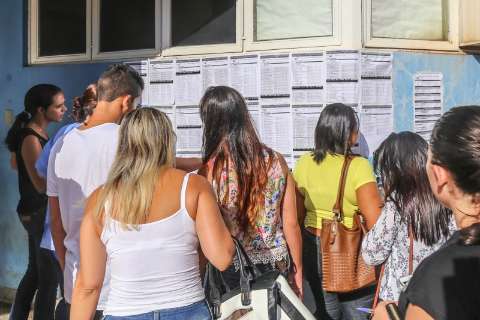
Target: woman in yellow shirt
x,y
317,175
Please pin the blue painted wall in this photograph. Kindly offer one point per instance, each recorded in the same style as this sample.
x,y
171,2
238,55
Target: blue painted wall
x,y
461,79
461,82
15,80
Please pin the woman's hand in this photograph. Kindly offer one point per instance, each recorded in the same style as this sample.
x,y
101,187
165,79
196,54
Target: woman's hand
x,y
380,312
296,281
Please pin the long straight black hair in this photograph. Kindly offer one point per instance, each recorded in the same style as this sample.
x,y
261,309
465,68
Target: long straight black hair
x,y
333,133
229,134
455,145
400,162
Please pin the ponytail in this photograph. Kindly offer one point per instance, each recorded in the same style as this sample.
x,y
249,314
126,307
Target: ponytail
x,y
39,96
455,145
13,135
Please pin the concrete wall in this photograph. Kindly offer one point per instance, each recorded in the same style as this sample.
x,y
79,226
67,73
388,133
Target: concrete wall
x,y
15,80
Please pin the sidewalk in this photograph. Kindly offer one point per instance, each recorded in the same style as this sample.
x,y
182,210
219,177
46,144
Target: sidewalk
x,y
5,308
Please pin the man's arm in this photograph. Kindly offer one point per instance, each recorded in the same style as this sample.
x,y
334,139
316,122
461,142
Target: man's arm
x,y
58,233
188,164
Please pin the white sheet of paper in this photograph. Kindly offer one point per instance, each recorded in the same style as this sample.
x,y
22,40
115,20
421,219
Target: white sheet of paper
x,y
189,154
244,75
188,82
376,65
343,65
142,68
344,92
255,114
277,128
304,122
215,72
376,123
307,70
275,76
428,102
308,78
162,74
188,116
189,139
376,91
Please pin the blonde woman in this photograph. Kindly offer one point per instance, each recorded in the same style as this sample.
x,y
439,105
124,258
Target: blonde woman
x,y
147,221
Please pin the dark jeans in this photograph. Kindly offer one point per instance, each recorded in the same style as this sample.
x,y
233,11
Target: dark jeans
x,y
41,275
98,314
329,305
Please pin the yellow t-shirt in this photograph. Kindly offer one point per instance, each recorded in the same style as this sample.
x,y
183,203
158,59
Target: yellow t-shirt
x,y
318,183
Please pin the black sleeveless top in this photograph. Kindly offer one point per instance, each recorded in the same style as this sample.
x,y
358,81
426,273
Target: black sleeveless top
x,y
30,199
447,284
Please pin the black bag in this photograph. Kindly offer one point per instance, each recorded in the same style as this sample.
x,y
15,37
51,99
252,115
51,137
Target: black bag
x,y
258,296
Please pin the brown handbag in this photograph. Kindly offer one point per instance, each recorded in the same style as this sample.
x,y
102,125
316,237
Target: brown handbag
x,y
343,268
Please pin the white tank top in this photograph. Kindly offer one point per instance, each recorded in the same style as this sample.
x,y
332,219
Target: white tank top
x,y
154,267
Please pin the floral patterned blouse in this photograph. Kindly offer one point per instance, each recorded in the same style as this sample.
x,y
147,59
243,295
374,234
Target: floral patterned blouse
x,y
267,244
388,241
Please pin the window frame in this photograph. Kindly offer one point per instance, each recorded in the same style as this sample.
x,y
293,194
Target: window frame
x,y
451,44
34,41
309,42
168,50
125,54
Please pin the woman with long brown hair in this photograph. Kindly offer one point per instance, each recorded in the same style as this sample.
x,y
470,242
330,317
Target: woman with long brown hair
x,y
254,188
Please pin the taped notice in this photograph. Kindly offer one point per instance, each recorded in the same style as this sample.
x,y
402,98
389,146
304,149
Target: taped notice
x,y
189,129
342,76
428,102
376,78
376,123
142,68
277,128
305,120
244,75
275,78
215,72
307,78
162,74
188,82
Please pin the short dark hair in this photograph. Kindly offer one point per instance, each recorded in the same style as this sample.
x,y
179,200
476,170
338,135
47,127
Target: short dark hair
x,y
335,127
119,80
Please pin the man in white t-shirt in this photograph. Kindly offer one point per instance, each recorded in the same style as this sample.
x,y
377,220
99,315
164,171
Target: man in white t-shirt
x,y
79,163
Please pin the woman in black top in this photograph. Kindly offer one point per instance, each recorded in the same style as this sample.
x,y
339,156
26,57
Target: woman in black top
x,y
446,285
44,103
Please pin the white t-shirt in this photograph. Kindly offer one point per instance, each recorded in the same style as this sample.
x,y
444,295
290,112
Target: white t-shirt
x,y
79,163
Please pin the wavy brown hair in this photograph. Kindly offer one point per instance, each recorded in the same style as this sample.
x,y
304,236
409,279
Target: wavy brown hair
x,y
229,135
83,105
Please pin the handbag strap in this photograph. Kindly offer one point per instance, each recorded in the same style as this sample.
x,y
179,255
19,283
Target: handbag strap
x,y
410,249
377,291
338,207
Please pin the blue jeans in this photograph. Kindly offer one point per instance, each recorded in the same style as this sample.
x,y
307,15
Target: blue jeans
x,y
196,311
329,305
